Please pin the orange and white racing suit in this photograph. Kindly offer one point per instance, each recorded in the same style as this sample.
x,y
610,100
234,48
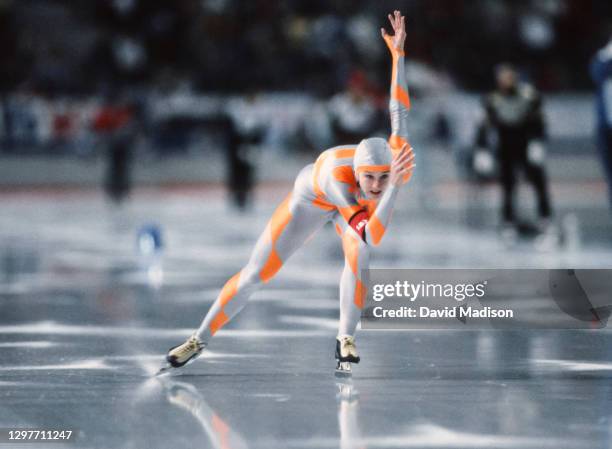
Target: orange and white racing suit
x,y
324,191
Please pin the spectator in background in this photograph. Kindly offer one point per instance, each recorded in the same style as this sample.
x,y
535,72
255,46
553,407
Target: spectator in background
x,y
601,72
242,139
116,122
514,111
355,113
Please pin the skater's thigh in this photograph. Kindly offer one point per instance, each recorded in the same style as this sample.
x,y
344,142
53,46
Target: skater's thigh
x,y
293,222
304,220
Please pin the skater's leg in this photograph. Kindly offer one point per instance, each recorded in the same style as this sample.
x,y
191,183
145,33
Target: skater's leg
x,y
352,285
293,222
536,175
352,295
508,181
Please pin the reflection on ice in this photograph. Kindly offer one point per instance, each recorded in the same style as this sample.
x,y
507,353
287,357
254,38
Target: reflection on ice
x,y
92,364
30,344
187,397
348,415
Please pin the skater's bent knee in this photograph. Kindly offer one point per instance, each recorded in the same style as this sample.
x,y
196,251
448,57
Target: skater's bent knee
x,y
356,252
250,277
362,246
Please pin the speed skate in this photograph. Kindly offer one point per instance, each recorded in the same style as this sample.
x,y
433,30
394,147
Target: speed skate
x,y
182,355
346,353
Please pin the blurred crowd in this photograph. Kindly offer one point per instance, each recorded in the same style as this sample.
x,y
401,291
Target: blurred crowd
x,y
179,66
62,46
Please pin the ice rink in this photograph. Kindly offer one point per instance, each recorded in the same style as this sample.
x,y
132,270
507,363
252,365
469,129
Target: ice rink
x,y
85,322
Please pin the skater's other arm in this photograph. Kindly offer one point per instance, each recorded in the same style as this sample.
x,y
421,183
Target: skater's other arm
x,y
341,190
401,169
399,102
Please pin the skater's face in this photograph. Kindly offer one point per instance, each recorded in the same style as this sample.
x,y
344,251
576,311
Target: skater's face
x,y
373,184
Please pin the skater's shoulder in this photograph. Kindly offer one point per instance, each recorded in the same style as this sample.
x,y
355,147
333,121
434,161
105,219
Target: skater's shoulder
x,y
338,154
343,151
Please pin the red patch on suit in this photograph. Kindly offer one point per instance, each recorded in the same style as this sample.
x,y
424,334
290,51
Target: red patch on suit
x,y
358,222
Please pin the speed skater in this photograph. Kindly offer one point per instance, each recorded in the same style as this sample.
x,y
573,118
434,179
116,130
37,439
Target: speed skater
x,y
353,186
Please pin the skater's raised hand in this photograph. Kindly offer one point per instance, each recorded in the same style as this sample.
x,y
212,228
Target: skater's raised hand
x,y
402,166
398,23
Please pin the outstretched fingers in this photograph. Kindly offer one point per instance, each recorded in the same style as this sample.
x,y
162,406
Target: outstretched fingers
x,y
397,21
404,153
409,163
406,167
408,159
403,149
402,166
405,157
404,160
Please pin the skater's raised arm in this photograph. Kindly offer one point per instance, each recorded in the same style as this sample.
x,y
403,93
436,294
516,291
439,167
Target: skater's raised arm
x,y
399,102
401,168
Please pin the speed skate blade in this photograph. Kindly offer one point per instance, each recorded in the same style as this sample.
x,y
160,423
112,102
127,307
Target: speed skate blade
x,y
343,369
167,369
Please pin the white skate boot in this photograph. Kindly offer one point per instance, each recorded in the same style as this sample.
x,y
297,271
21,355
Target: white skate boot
x,y
346,353
182,355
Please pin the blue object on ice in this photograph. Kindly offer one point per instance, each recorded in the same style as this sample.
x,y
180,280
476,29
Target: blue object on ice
x,y
150,239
